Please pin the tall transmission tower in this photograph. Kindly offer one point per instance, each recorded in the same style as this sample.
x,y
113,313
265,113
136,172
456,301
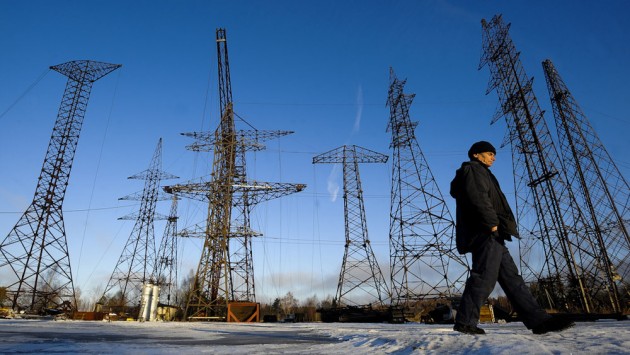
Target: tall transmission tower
x,y
36,249
136,264
360,280
166,264
225,273
557,245
424,263
603,192
241,262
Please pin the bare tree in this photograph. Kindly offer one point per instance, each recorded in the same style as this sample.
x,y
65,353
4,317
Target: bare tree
x,y
288,303
3,295
81,302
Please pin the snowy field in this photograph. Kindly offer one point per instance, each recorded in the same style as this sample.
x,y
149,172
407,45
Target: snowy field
x,y
19,336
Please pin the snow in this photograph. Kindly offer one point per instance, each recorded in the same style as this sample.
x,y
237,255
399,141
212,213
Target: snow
x,y
91,337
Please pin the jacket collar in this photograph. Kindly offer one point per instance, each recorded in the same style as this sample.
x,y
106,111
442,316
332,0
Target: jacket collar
x,y
476,163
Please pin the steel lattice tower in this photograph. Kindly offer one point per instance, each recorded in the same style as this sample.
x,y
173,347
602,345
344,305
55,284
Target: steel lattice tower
x,y
360,280
36,249
603,192
557,245
424,263
211,290
244,194
225,272
241,235
136,264
165,274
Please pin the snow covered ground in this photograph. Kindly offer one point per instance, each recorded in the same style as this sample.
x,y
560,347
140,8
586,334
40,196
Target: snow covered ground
x,y
19,336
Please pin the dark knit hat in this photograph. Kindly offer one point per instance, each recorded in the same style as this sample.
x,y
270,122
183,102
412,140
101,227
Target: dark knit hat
x,y
481,147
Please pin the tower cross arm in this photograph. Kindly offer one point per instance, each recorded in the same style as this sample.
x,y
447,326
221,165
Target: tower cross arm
x,y
254,192
246,193
199,191
352,153
138,195
153,174
249,139
90,70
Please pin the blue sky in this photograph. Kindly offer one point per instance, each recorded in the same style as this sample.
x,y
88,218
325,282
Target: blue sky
x,y
319,68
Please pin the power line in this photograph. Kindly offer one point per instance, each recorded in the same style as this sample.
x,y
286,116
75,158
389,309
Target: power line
x,y
25,92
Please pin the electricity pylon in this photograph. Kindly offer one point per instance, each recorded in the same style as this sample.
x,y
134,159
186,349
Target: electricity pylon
x,y
244,191
603,193
136,264
225,272
219,280
424,263
360,280
557,240
36,250
165,274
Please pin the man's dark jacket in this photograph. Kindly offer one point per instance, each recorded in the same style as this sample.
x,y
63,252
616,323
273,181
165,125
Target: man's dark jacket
x,y
480,206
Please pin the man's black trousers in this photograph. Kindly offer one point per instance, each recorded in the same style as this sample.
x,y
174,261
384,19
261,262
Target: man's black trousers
x,y
492,262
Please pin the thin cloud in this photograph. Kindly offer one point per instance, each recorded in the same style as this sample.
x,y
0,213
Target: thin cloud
x,y
357,118
332,184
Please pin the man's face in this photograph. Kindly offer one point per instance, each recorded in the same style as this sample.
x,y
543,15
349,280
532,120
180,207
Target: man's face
x,y
486,158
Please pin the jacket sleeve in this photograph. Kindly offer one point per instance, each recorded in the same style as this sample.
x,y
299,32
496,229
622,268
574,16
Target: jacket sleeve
x,y
477,190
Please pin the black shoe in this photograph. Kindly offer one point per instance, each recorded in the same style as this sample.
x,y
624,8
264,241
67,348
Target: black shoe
x,y
555,324
468,329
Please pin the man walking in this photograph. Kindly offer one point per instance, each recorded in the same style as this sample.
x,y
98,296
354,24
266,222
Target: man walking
x,y
484,221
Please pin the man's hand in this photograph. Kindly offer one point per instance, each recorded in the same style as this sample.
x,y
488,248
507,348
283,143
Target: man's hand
x,y
494,229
